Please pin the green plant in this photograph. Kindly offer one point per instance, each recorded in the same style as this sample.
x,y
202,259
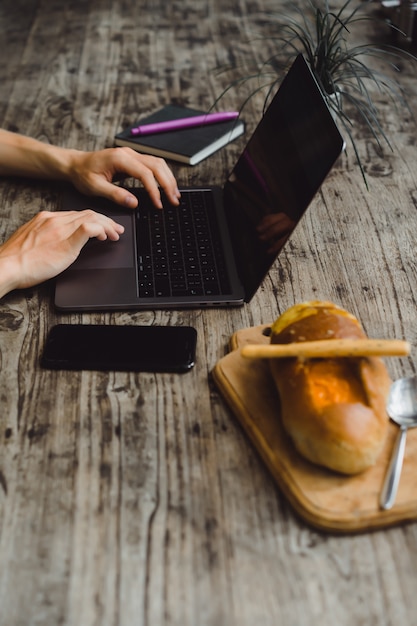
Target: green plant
x,y
345,78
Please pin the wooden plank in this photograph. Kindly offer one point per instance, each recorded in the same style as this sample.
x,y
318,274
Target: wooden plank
x,y
137,499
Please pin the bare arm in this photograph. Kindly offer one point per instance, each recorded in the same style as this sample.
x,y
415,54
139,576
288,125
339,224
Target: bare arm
x,y
50,242
90,172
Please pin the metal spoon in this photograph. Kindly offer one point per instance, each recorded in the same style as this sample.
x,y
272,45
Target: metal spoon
x,y
402,409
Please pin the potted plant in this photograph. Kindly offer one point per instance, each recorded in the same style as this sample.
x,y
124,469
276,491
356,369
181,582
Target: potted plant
x,y
343,73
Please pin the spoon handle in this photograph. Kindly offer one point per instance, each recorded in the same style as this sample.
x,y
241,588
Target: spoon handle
x,y
392,479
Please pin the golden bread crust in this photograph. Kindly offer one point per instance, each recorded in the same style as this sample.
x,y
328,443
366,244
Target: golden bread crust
x,y
333,409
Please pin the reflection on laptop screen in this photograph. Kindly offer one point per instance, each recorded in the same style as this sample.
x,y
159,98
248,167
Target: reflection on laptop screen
x,y
285,162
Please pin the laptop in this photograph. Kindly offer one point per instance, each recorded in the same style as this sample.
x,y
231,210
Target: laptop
x,y
216,248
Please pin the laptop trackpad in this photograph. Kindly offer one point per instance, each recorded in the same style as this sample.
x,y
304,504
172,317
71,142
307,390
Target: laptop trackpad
x,y
109,254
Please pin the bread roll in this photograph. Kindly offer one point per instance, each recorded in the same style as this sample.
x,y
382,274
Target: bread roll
x,y
333,409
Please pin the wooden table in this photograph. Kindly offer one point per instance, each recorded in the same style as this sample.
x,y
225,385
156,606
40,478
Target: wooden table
x,y
137,498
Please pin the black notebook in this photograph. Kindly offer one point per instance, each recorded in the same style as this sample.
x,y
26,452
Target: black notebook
x,y
188,145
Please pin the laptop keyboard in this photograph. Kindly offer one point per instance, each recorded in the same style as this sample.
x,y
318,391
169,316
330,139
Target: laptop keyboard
x,y
179,249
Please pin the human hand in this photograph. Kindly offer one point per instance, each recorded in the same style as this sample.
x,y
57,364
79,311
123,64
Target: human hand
x,y
48,244
93,172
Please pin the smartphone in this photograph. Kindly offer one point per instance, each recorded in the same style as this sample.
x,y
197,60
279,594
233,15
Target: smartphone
x,y
120,348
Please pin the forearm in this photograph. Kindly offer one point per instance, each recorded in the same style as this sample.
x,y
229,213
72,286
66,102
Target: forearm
x,y
24,156
91,173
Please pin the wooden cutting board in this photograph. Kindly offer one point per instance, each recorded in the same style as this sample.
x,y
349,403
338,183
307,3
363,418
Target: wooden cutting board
x,y
325,499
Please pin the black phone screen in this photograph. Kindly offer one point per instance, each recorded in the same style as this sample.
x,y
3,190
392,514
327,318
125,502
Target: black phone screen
x,y
120,348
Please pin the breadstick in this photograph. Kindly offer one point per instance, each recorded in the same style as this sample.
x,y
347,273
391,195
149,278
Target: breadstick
x,y
328,348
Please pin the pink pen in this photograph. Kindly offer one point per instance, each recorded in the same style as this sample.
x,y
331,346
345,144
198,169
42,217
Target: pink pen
x,y
185,122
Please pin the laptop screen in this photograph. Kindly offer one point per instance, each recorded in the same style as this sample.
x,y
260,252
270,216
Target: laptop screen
x,y
282,167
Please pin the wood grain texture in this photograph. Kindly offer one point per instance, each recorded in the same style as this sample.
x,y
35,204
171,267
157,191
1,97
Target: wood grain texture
x,y
137,499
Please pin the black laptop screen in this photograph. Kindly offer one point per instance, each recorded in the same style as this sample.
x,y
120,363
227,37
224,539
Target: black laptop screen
x,y
282,167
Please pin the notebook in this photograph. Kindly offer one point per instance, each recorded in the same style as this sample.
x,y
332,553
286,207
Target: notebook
x,y
248,220
188,145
